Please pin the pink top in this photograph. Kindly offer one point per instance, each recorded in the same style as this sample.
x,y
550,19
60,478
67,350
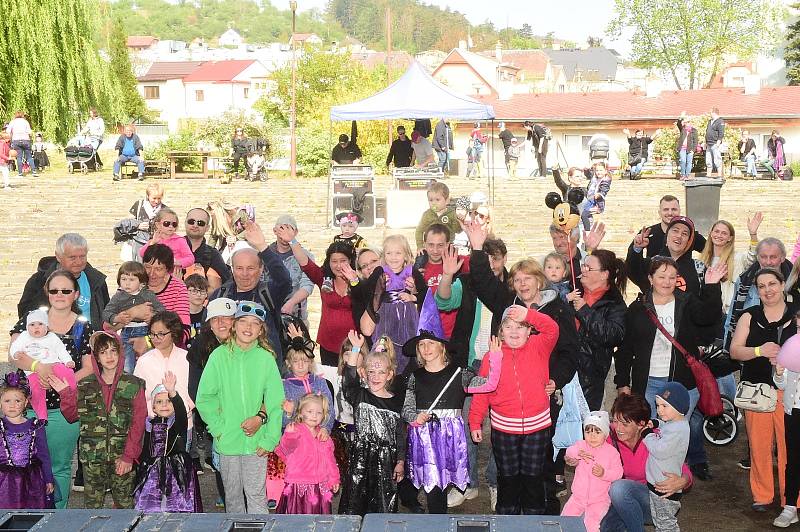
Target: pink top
x,y
796,252
183,255
587,488
151,368
308,460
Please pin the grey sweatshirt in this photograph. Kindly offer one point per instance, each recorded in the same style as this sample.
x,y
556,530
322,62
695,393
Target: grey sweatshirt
x,y
667,450
124,301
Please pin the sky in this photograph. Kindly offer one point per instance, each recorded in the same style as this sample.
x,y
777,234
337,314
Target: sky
x,y
572,20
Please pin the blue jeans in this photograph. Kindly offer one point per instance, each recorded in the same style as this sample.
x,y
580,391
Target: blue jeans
x,y
443,157
630,507
750,161
714,158
23,148
128,333
472,450
636,169
124,159
685,162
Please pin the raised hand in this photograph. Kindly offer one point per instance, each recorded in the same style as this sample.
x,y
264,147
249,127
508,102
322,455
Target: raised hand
x,y
254,235
355,338
596,235
169,382
754,223
517,313
348,272
285,232
495,345
715,274
477,233
293,331
451,264
642,238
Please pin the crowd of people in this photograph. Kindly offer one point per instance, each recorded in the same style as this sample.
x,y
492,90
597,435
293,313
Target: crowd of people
x,y
202,362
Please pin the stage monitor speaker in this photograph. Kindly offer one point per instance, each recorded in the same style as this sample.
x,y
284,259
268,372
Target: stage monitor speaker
x,y
404,208
344,203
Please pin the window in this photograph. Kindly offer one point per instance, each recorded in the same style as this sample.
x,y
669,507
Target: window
x,y
151,92
199,96
247,92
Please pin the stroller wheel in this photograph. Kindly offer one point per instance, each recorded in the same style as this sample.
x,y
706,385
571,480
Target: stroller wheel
x,y
84,169
70,169
721,430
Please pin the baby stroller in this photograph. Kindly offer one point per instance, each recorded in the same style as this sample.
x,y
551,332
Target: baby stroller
x,y
720,430
256,160
81,156
599,146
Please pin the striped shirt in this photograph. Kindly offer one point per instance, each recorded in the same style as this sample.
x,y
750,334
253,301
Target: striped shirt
x,y
175,298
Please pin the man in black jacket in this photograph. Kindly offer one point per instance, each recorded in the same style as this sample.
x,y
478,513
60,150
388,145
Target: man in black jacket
x,y
71,251
668,207
715,131
401,150
196,224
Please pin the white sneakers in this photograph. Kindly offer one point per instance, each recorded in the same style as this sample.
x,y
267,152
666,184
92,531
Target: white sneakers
x,y
493,497
456,498
788,517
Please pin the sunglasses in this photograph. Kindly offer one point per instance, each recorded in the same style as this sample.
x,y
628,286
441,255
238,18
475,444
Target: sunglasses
x,y
192,221
260,312
65,291
159,336
167,223
592,430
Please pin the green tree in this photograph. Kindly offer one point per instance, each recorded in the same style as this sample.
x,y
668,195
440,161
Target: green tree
x,y
50,65
121,71
792,52
688,40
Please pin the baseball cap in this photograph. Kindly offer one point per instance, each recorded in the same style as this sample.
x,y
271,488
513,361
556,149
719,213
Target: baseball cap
x,y
220,307
286,219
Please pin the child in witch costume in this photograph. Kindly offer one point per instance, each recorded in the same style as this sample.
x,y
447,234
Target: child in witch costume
x,y
348,225
377,451
437,440
166,480
26,479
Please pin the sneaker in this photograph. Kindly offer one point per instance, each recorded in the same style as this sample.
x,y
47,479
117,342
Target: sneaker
x,y
272,504
561,488
456,498
198,466
493,497
788,517
116,177
760,508
35,174
219,503
744,463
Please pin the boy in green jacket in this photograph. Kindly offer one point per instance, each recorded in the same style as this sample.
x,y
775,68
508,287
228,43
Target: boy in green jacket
x,y
240,397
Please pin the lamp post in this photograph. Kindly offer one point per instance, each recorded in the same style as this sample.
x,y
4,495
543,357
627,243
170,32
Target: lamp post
x,y
292,111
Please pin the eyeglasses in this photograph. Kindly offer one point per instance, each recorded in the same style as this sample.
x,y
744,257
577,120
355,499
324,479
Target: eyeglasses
x,y
588,269
192,221
592,430
260,312
362,267
197,291
159,336
167,223
65,291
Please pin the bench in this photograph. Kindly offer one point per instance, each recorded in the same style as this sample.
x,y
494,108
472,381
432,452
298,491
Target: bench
x,y
764,171
155,168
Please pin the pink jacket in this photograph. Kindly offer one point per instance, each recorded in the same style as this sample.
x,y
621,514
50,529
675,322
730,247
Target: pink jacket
x,y
308,460
183,255
796,252
587,488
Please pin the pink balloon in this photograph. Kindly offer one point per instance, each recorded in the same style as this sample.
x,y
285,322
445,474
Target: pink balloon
x,y
789,355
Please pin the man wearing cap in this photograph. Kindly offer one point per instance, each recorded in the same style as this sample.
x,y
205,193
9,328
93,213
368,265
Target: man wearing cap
x,y
346,152
423,150
246,284
302,287
506,137
197,223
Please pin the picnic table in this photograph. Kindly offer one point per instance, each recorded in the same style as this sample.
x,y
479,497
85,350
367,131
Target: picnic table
x,y
173,157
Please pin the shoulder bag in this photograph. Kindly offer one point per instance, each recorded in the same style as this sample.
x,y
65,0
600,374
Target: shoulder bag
x,y
710,403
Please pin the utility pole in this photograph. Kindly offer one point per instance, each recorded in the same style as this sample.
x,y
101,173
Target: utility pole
x,y
293,111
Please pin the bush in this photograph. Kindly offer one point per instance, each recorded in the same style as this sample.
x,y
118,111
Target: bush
x,y
219,130
183,141
664,145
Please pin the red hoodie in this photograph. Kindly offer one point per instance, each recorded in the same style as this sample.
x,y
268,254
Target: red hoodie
x,y
520,405
133,444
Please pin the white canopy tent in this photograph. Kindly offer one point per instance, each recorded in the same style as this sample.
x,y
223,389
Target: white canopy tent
x,y
416,95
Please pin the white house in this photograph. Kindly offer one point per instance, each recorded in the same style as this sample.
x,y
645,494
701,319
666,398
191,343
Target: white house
x,y
182,90
231,37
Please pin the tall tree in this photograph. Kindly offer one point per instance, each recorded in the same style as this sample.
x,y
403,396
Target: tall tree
x,y
791,53
131,101
688,40
50,65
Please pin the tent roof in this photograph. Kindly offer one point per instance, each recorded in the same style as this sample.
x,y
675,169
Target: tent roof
x,y
415,95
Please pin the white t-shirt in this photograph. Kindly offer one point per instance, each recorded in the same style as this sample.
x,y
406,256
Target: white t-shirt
x,y
661,356
49,349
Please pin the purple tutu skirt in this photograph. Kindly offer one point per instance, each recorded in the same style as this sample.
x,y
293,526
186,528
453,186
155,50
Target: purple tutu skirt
x,y
24,488
437,452
398,320
305,499
169,485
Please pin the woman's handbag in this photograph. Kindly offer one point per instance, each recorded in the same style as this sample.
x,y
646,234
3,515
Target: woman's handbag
x,y
710,403
756,397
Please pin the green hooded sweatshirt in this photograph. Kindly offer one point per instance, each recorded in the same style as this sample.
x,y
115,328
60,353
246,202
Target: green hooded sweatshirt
x,y
234,385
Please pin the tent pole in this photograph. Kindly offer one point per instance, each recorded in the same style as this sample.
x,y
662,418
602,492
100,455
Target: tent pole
x,y
491,165
329,201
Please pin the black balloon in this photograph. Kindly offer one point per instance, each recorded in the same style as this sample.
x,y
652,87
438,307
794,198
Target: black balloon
x,y
553,199
576,195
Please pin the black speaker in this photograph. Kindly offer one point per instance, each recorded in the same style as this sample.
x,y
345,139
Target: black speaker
x,y
346,203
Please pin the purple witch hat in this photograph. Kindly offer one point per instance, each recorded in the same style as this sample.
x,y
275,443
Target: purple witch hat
x,y
429,326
